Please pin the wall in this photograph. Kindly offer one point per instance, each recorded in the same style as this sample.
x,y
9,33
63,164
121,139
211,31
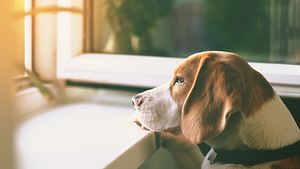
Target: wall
x,y
8,49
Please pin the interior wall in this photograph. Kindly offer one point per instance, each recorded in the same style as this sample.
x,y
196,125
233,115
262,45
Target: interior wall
x,y
8,49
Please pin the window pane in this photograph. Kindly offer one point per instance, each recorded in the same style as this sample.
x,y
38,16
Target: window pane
x,y
70,3
77,3
44,3
69,34
259,30
44,43
76,34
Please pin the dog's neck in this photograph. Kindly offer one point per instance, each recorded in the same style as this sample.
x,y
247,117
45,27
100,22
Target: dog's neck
x,y
271,127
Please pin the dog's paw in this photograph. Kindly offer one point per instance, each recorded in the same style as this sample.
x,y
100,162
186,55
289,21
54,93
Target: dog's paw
x,y
175,142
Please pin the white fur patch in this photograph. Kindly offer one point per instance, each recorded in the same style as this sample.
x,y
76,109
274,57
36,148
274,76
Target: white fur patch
x,y
271,127
159,111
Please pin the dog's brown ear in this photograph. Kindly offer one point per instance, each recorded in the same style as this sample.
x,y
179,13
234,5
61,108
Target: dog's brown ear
x,y
214,95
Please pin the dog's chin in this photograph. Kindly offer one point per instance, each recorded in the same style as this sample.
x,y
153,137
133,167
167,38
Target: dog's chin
x,y
141,125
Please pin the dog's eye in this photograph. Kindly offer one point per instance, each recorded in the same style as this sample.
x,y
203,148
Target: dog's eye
x,y
178,80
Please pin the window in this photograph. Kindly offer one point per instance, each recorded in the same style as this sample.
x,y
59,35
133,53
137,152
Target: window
x,y
52,28
42,30
259,30
113,42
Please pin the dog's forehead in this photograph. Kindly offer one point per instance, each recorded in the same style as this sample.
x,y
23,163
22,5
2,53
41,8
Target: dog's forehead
x,y
188,65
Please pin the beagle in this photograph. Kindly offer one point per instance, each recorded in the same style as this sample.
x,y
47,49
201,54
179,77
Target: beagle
x,y
216,98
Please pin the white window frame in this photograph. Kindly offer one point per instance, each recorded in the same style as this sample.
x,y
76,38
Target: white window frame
x,y
40,42
147,71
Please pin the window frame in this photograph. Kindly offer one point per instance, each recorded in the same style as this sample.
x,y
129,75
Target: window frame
x,y
149,72
43,65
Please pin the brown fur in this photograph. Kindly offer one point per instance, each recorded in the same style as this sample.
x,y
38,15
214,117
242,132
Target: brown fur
x,y
289,163
216,84
187,70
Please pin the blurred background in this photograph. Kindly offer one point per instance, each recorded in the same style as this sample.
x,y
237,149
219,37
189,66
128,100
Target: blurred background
x,y
260,30
38,35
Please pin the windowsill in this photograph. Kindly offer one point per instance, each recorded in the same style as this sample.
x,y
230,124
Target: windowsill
x,y
95,133
149,72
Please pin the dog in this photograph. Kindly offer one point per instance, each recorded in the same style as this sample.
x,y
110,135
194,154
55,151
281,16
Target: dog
x,y
215,97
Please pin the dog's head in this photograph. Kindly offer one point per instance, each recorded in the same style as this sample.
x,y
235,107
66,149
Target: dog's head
x,y
205,90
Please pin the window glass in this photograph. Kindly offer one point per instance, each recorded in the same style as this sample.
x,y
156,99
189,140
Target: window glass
x,y
259,30
53,28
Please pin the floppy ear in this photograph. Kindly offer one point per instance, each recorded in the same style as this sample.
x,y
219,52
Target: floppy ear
x,y
214,95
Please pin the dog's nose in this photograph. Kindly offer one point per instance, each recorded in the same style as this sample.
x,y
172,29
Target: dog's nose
x,y
137,100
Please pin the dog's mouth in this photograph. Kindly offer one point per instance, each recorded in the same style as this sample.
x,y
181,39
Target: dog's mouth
x,y
171,130
139,124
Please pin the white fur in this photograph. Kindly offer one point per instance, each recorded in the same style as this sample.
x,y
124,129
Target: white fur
x,y
158,112
271,127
